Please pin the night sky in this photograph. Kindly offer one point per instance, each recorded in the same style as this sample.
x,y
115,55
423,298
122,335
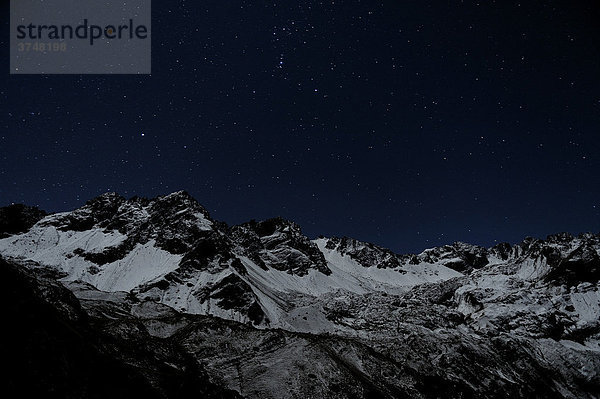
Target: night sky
x,y
408,124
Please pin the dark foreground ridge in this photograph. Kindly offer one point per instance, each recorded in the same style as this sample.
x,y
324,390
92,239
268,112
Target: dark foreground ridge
x,y
55,349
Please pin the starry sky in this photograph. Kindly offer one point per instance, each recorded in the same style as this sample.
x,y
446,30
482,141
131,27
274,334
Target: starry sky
x,y
408,124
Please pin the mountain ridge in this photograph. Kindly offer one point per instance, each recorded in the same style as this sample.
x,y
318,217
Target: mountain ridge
x,y
14,211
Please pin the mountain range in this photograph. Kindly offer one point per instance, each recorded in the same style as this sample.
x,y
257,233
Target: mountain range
x,y
154,297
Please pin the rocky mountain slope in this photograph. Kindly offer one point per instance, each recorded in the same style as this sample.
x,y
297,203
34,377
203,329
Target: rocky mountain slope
x,y
57,348
296,318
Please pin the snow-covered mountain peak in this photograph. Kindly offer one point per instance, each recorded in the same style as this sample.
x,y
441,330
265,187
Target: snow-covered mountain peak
x,y
366,254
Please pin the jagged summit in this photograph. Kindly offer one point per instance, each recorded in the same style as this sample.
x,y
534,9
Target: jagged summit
x,y
366,254
180,200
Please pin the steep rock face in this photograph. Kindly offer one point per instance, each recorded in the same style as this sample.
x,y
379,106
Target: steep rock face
x,y
580,266
280,244
209,249
234,293
458,256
